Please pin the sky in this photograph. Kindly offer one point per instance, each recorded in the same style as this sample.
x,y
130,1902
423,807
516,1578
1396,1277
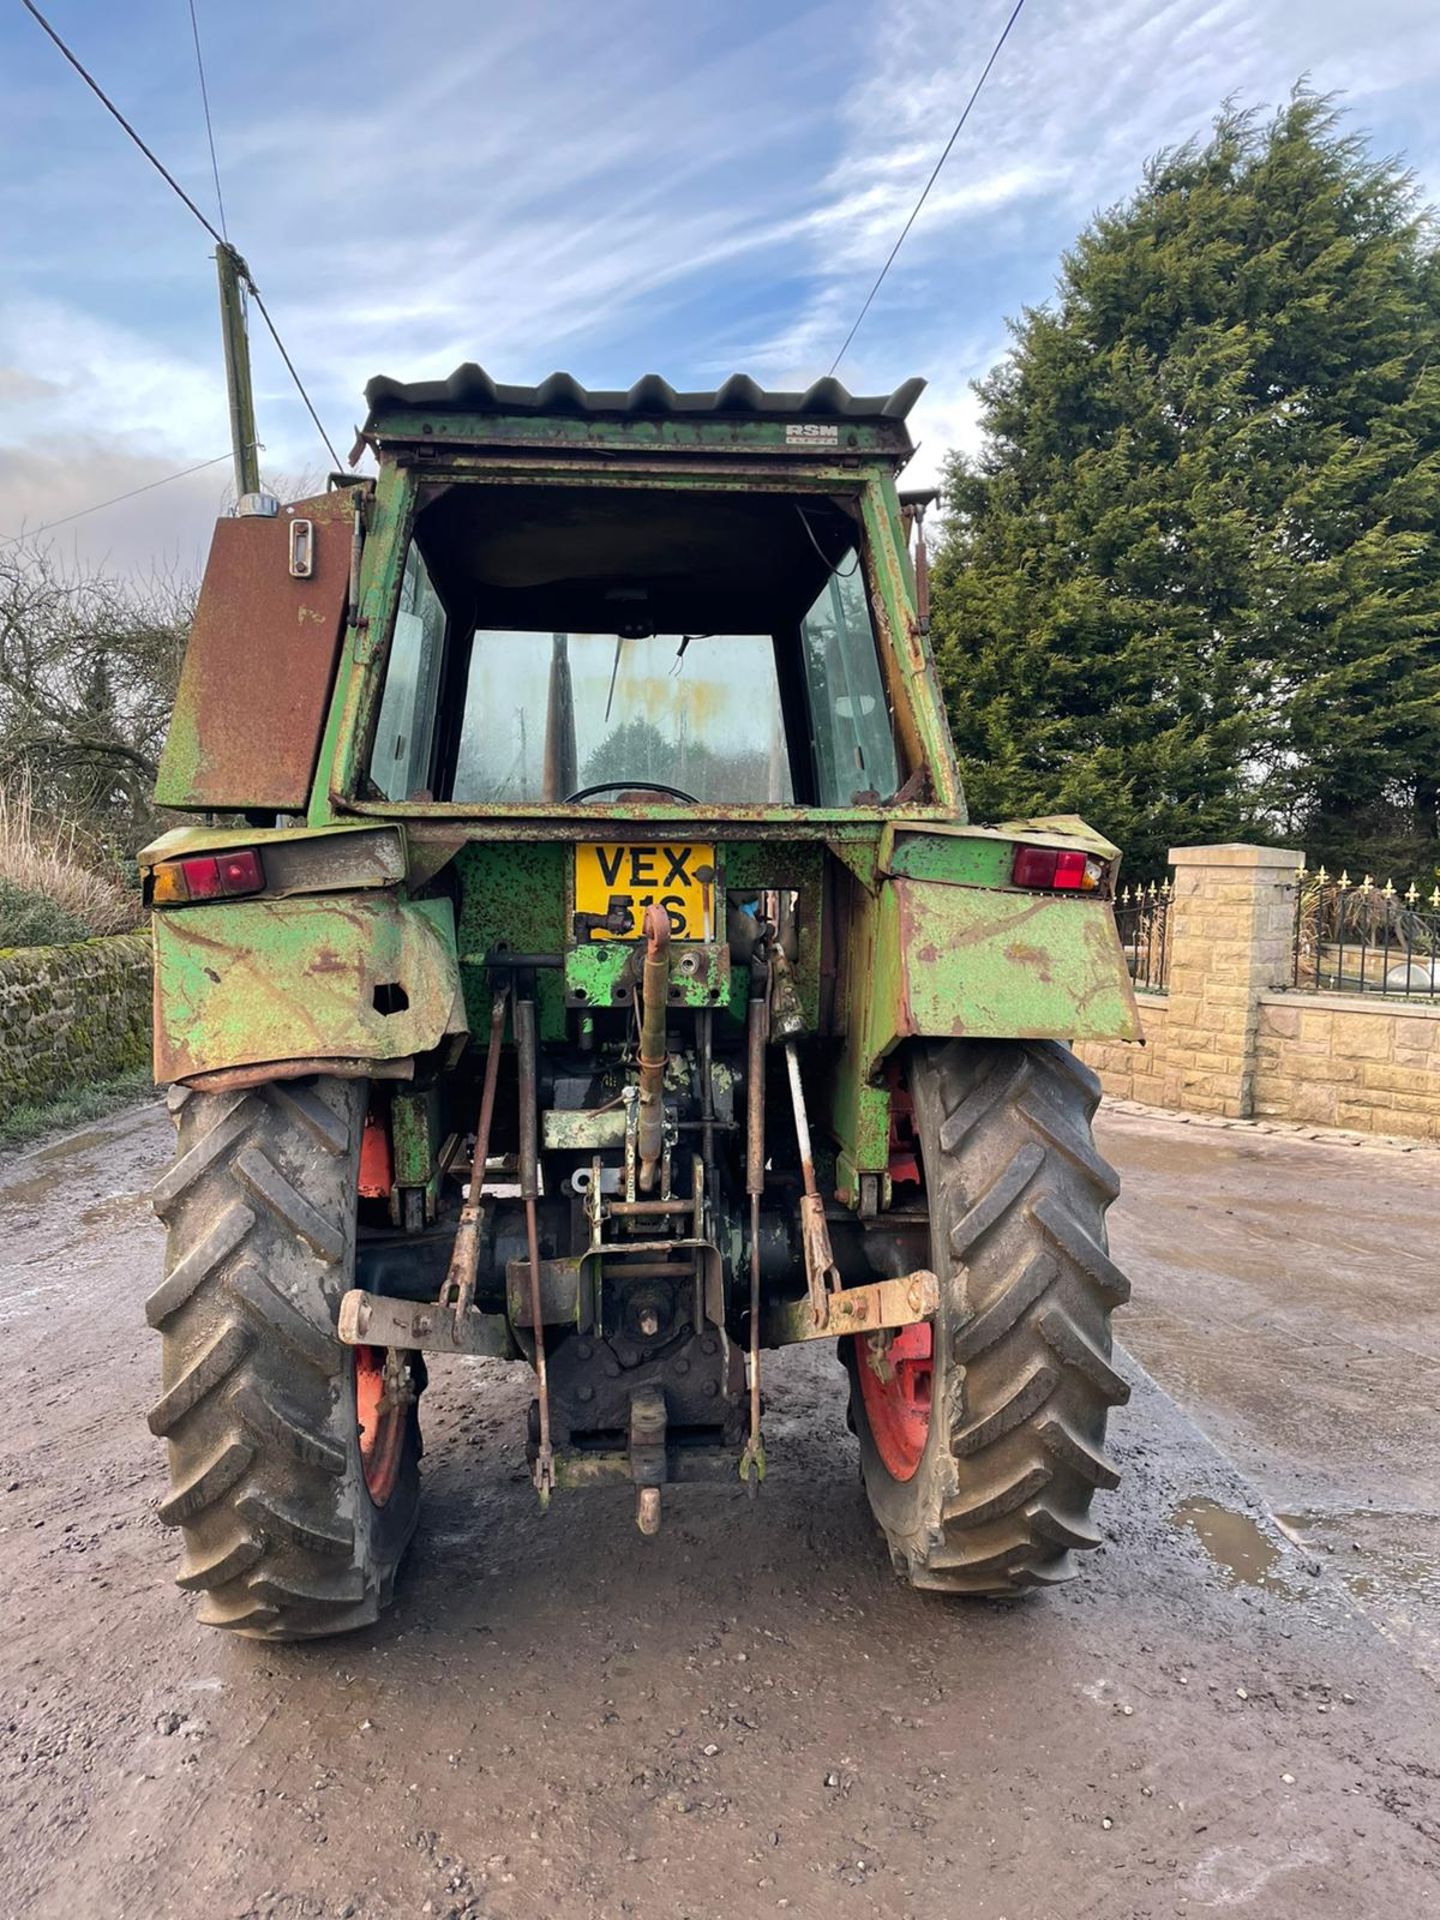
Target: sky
x,y
611,187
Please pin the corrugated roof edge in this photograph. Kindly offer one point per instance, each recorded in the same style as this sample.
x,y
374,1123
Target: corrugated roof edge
x,y
471,390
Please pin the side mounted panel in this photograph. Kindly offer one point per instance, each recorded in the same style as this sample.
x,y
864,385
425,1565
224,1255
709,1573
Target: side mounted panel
x,y
344,977
933,960
983,964
255,684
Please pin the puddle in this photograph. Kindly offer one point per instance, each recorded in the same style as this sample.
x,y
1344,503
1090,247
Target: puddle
x,y
38,1186
1388,1561
37,1177
1375,1553
104,1209
1244,1553
39,1171
72,1143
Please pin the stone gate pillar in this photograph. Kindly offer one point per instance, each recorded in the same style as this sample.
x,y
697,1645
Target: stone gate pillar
x,y
1231,931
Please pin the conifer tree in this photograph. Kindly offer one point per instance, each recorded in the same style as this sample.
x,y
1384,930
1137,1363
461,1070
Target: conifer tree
x,y
1190,586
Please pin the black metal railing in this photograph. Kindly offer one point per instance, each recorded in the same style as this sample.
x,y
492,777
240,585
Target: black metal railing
x,y
1142,915
1357,937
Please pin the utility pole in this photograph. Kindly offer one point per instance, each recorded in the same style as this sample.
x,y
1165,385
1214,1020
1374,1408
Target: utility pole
x,y
558,775
233,275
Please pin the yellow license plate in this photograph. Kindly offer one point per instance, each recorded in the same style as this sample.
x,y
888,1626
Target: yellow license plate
x,y
678,874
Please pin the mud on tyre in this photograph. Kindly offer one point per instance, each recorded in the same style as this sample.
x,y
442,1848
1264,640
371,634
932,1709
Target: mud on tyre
x,y
293,1460
982,1443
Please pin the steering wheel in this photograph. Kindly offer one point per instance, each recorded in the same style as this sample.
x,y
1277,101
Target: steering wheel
x,y
632,786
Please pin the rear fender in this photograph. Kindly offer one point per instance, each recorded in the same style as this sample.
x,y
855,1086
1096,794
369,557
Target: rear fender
x,y
349,981
938,958
971,963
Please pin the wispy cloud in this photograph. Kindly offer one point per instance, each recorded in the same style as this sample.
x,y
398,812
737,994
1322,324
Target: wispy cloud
x,y
615,189
1082,95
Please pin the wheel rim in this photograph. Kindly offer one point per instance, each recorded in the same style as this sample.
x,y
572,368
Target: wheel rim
x,y
896,1371
381,1426
895,1385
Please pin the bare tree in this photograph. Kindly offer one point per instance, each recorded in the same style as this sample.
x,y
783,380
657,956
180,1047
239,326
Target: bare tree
x,y
88,668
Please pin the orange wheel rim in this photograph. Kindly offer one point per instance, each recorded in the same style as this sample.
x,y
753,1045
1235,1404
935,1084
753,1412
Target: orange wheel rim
x,y
895,1387
382,1427
896,1379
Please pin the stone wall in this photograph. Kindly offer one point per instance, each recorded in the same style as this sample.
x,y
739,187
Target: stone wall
x,y
71,1016
1225,1039
1130,1072
1341,1060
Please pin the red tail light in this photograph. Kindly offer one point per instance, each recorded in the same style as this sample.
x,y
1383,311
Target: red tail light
x,y
241,872
208,876
1057,870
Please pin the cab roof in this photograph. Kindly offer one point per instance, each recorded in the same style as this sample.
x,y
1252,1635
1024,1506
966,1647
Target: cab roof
x,y
471,390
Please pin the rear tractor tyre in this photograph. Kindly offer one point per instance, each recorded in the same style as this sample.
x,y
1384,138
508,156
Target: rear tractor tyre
x,y
293,1459
982,1436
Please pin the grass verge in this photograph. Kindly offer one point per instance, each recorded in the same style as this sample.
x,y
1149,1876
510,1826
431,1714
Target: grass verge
x,y
54,889
27,1123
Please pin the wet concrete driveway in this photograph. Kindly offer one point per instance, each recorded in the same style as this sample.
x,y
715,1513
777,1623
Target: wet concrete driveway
x,y
749,1715
1287,1293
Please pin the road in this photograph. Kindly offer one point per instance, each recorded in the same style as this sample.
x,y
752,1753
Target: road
x,y
748,1714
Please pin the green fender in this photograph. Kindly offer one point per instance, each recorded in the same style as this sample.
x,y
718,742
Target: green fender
x,y
967,963
951,959
346,978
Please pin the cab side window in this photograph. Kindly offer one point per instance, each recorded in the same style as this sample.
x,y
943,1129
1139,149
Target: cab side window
x,y
400,758
850,720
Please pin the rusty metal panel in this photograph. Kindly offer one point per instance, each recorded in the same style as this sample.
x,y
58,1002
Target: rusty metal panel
x,y
343,976
255,683
967,962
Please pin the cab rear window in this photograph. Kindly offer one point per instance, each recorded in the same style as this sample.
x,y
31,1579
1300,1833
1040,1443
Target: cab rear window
x,y
556,643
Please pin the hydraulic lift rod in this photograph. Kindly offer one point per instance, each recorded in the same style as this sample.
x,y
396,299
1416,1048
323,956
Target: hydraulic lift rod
x,y
752,1460
655,982
459,1288
530,1193
822,1276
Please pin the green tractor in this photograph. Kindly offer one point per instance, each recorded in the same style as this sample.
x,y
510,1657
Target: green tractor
x,y
582,956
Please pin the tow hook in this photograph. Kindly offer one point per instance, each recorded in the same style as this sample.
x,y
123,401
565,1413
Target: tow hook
x,y
648,1467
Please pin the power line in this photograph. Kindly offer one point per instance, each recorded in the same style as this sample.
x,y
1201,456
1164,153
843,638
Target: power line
x,y
169,178
209,130
30,533
935,175
299,383
111,108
